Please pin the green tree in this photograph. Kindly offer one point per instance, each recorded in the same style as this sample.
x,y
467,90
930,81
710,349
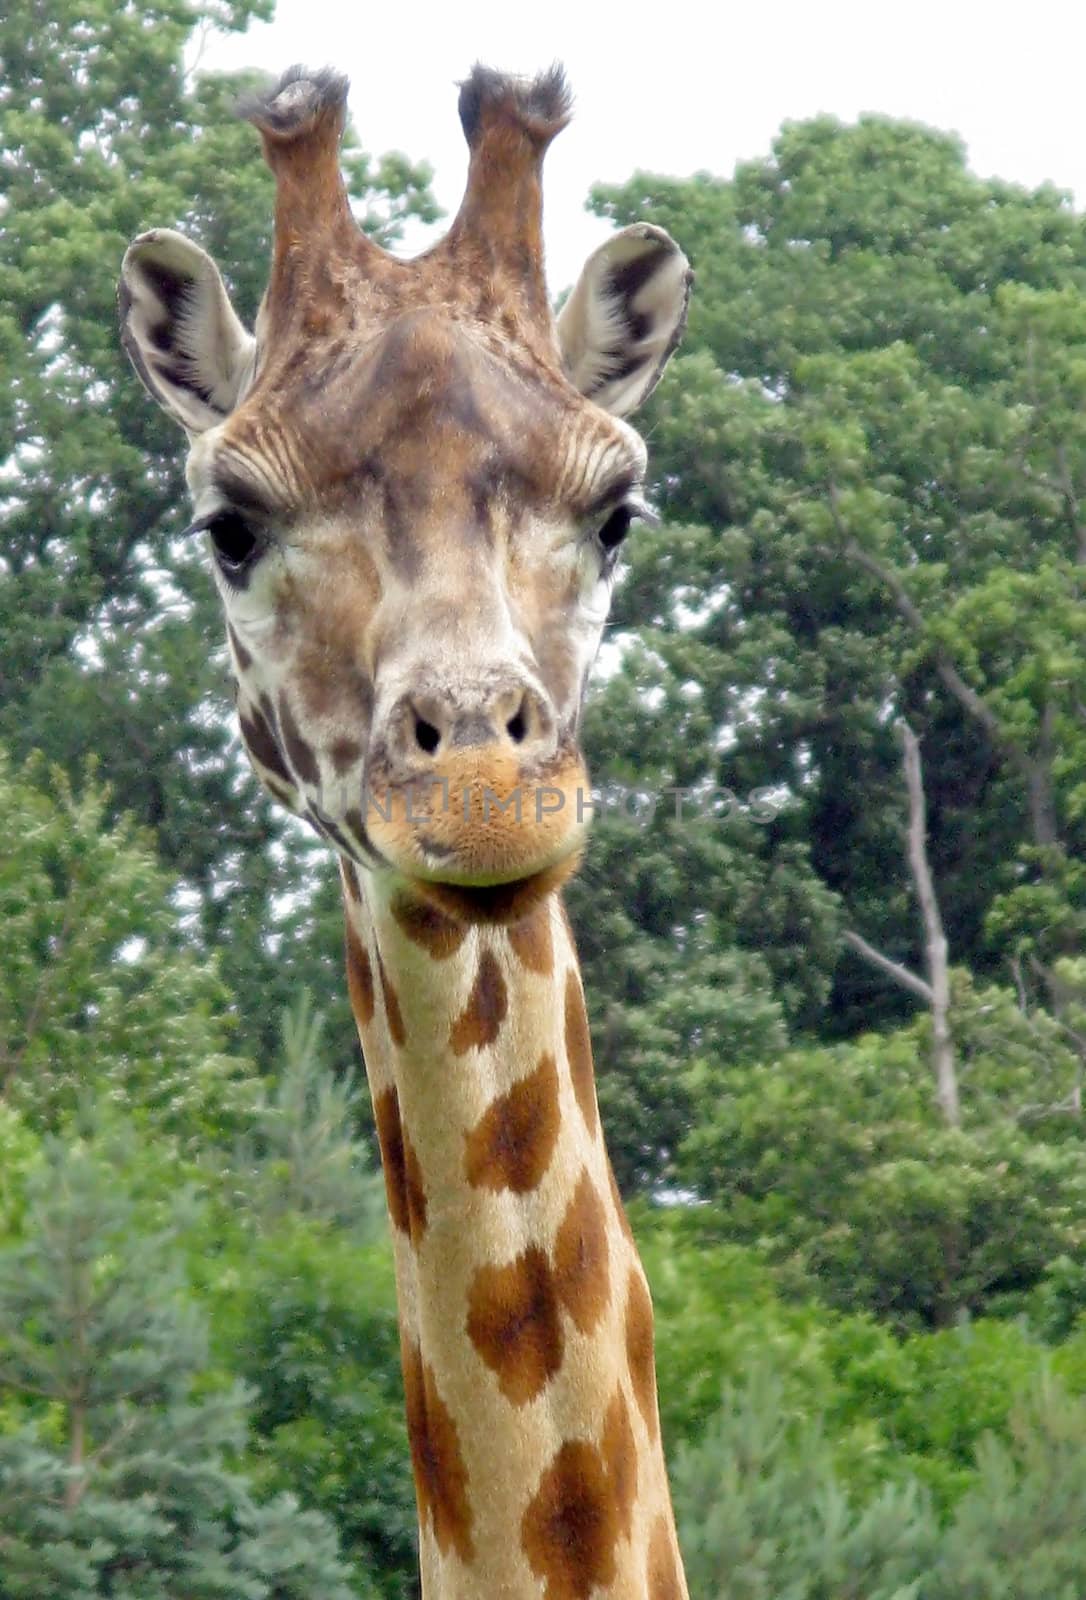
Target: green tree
x,y
836,1163
306,1316
99,993
763,1515
301,1155
870,457
1019,1531
118,1481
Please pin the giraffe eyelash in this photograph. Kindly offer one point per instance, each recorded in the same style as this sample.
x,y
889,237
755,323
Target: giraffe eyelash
x,y
236,541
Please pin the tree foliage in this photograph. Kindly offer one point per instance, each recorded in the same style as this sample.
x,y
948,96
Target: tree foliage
x,y
870,456
118,1483
101,996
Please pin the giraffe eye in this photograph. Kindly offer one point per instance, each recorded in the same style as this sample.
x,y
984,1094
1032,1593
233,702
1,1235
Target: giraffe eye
x,y
236,544
616,528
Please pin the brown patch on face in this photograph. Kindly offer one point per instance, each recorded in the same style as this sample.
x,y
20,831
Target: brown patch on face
x,y
571,1526
511,1145
262,744
286,796
428,927
515,1324
639,1351
581,1264
531,940
441,1478
242,657
620,1458
662,1581
479,1022
392,1005
579,1052
403,1175
359,973
350,879
344,754
299,753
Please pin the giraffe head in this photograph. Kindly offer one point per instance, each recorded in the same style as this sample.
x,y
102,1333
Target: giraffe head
x,y
414,482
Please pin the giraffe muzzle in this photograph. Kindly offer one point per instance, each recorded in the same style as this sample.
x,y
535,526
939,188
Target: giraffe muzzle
x,y
477,816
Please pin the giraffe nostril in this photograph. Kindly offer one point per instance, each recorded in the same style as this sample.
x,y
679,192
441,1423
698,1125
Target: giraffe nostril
x,y
517,726
427,737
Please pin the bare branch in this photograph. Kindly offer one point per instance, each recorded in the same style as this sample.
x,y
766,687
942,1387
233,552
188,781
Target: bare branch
x,y
893,969
1020,986
963,692
946,1077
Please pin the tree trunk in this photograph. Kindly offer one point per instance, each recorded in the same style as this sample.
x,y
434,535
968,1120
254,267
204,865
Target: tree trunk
x,y
946,1076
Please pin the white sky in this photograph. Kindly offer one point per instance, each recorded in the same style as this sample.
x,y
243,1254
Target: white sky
x,y
677,88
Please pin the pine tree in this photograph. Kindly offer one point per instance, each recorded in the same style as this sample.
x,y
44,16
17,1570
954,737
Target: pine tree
x,y
100,995
117,1483
303,1156
763,1516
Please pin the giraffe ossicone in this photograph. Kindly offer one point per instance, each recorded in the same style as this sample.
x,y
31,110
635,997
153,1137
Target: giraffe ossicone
x,y
414,481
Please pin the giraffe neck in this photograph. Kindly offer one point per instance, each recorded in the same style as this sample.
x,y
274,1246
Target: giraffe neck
x,y
525,1319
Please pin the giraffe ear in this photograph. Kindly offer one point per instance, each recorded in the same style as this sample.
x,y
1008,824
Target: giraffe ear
x,y
181,333
624,317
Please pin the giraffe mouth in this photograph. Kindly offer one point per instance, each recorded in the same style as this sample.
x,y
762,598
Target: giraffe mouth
x,y
484,842
495,904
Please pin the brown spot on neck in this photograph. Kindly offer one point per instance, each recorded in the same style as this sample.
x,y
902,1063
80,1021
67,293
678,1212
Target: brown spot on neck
x,y
359,976
428,927
394,1015
480,1021
579,1051
581,1258
441,1478
515,1324
662,1580
571,1526
531,940
639,1351
403,1175
619,1205
512,1144
620,1458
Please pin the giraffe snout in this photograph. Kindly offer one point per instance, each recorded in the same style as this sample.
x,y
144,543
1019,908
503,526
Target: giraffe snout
x,y
472,784
512,716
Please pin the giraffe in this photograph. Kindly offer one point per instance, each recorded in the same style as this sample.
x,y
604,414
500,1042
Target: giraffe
x,y
415,483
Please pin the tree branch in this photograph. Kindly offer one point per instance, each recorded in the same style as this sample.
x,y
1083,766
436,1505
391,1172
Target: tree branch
x,y
893,969
935,993
946,1077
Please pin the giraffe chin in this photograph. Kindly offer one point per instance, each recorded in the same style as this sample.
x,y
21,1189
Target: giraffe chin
x,y
495,904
